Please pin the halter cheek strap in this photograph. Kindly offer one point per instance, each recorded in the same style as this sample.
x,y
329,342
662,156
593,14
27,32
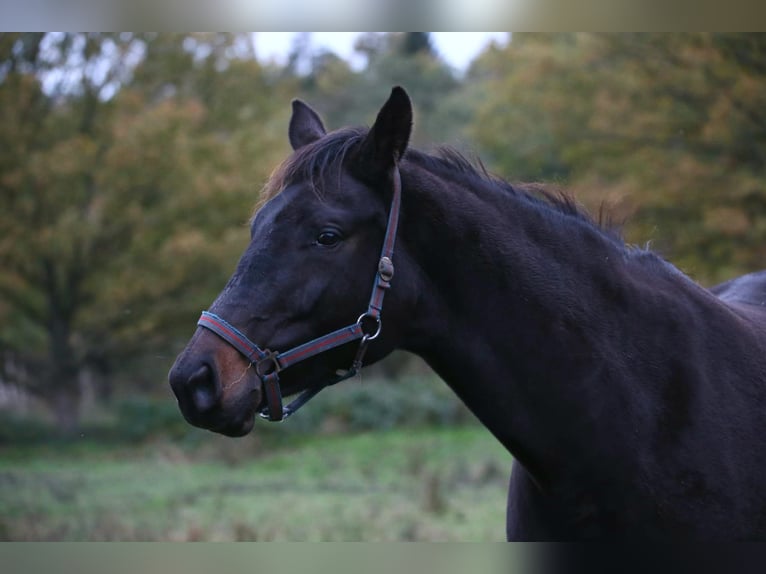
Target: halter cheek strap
x,y
268,364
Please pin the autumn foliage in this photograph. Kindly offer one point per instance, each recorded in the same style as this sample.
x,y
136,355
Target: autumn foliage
x,y
130,165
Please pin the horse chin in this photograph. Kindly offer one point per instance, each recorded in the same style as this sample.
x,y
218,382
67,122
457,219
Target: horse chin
x,y
242,419
234,426
237,430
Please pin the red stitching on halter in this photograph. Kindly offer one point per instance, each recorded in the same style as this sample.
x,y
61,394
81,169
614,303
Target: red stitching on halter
x,y
324,343
230,334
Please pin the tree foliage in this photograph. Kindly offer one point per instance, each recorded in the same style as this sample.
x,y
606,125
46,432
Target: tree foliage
x,y
131,163
345,96
667,129
108,236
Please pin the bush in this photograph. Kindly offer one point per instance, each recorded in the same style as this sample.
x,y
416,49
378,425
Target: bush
x,y
139,418
368,404
360,404
23,430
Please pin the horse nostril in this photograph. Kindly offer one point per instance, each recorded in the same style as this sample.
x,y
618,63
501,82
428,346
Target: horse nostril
x,y
204,390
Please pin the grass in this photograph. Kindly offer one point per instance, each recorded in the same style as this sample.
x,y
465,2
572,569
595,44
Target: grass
x,y
412,484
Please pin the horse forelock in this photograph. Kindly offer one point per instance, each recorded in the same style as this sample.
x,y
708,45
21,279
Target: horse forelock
x,y
313,162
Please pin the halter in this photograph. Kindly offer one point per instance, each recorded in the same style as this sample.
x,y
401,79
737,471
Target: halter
x,y
268,364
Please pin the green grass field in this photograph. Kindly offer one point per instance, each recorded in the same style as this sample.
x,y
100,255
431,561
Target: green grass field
x,y
445,484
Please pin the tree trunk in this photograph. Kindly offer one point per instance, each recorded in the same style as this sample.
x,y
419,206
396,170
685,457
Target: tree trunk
x,y
65,404
62,384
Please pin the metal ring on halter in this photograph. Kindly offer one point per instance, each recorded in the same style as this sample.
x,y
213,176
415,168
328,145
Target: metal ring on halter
x,y
366,336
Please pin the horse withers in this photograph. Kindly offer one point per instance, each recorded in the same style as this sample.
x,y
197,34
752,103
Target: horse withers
x,y
632,399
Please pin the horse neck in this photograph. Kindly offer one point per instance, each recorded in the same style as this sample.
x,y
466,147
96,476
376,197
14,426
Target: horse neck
x,y
524,311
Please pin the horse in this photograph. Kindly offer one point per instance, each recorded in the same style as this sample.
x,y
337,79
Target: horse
x,y
632,399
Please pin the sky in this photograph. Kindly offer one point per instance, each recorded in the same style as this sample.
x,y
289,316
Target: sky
x,y
457,48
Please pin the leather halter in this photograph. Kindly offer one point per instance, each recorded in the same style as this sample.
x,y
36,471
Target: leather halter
x,y
269,363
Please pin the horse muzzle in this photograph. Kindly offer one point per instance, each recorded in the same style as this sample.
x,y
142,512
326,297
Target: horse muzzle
x,y
205,402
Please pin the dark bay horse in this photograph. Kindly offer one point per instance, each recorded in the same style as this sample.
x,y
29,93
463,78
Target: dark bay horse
x,y
632,399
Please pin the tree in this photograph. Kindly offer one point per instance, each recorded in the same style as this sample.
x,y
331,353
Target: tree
x,y
668,129
119,189
49,143
344,95
415,43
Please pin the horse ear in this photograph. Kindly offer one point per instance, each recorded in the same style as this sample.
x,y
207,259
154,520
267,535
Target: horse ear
x,y
305,125
390,134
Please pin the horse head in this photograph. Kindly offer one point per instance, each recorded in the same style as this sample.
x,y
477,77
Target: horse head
x,y
297,310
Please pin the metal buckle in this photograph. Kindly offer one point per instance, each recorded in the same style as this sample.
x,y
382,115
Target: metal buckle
x,y
266,415
386,269
271,364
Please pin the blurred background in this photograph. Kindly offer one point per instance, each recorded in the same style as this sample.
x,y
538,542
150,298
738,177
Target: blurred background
x,y
129,167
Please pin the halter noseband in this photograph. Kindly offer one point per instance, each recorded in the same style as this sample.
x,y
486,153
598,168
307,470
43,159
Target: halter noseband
x,y
269,363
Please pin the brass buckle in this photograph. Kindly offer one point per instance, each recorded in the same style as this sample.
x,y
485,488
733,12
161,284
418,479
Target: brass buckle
x,y
268,364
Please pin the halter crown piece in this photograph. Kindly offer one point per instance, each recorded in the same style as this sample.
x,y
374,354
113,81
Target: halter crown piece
x,y
269,363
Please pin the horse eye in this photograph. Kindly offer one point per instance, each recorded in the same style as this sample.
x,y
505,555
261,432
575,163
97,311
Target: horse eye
x,y
328,238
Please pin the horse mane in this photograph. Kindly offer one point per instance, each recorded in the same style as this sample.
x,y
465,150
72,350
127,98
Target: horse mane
x,y
446,160
314,161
